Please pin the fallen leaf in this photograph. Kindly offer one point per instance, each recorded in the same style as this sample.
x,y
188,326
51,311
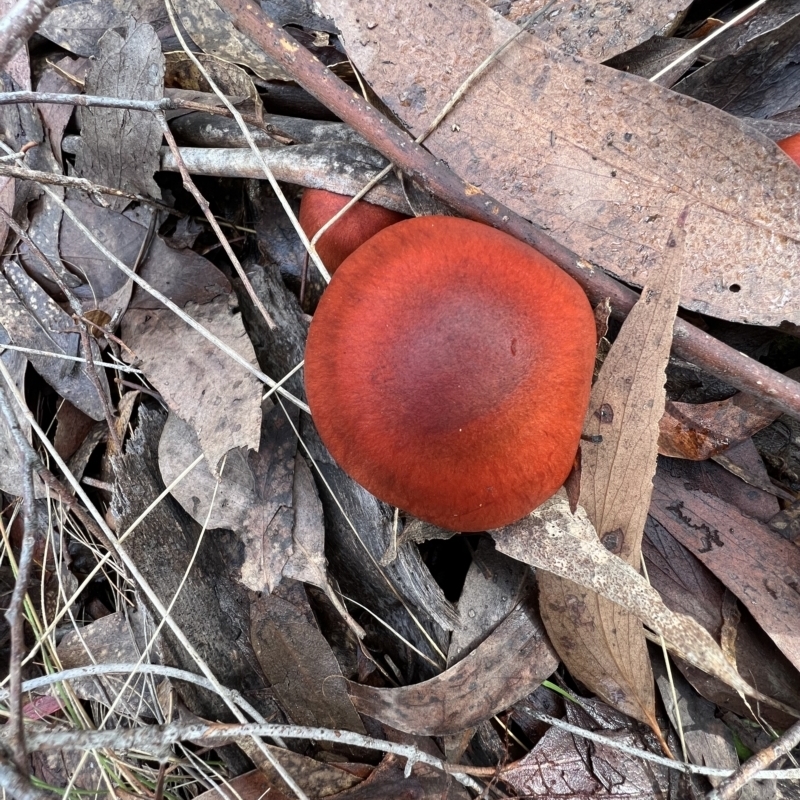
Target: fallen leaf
x,y
603,30
209,606
492,588
566,766
206,388
687,587
508,665
120,147
603,161
253,497
548,539
33,320
759,80
209,28
700,431
299,662
758,565
115,639
78,27
601,643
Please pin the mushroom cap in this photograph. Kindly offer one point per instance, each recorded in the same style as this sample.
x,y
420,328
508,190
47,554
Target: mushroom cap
x,y
448,369
360,223
791,146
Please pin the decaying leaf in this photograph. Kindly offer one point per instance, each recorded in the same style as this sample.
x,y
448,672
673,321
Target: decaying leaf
x,y
206,388
117,638
11,465
78,27
687,587
602,30
253,498
298,661
210,29
564,765
602,160
119,146
758,565
547,539
601,643
700,431
33,320
509,664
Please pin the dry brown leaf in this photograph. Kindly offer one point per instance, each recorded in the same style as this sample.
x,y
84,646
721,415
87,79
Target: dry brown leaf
x,y
120,147
298,661
758,565
33,320
507,666
700,431
217,397
601,643
602,160
210,29
253,497
552,538
114,639
568,767
602,29
77,27
688,587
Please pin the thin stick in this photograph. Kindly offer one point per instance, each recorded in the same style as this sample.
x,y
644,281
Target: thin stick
x,y
752,768
212,220
19,23
703,42
689,342
14,613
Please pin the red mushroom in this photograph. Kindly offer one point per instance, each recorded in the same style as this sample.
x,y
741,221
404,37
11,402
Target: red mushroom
x,y
448,370
360,223
791,146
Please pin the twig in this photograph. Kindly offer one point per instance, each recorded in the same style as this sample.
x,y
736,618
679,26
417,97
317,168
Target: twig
x,y
82,184
752,768
645,755
689,342
19,23
162,736
153,106
212,220
17,785
14,613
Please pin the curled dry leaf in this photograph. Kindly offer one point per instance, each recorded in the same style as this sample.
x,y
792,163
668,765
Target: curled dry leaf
x,y
508,665
701,431
602,160
553,539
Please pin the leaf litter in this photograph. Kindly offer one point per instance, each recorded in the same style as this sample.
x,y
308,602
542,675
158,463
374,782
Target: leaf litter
x,y
318,606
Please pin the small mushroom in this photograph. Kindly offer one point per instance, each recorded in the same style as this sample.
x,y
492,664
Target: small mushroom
x,y
448,370
360,223
791,146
